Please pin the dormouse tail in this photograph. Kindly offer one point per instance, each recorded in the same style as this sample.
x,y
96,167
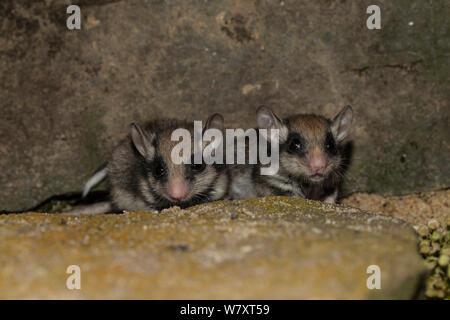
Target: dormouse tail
x,y
98,176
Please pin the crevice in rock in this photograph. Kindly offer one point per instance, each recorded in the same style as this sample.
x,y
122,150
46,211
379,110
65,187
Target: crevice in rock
x,y
61,202
408,67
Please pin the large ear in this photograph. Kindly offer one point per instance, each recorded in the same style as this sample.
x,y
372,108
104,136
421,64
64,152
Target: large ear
x,y
266,119
142,141
340,126
214,121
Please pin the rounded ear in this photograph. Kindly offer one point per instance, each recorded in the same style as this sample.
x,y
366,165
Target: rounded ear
x,y
141,140
266,119
214,121
341,124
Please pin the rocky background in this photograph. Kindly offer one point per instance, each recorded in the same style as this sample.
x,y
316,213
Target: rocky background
x,y
67,97
269,248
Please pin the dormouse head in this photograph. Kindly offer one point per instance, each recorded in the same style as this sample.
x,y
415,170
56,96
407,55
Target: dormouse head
x,y
310,145
166,183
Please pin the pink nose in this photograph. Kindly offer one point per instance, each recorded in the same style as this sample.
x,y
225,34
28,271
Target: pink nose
x,y
317,162
178,189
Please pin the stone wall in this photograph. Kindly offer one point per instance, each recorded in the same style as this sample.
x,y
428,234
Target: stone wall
x,y
67,97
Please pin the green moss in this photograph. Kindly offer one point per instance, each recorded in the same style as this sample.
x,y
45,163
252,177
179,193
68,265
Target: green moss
x,y
436,251
203,251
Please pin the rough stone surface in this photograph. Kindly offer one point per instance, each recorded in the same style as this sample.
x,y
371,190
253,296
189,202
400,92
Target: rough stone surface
x,y
67,97
416,208
272,248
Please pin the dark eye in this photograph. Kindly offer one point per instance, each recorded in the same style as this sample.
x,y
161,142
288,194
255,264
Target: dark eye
x,y
197,167
158,169
295,144
330,145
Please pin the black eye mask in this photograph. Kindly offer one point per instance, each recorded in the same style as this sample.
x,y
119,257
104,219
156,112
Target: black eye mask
x,y
295,144
196,167
157,167
330,144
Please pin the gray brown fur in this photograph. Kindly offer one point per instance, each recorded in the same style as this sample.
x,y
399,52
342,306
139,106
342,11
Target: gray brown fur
x,y
293,176
134,187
